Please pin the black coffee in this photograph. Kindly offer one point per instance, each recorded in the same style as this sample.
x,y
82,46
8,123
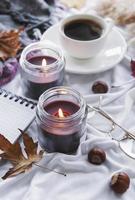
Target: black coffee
x,y
83,29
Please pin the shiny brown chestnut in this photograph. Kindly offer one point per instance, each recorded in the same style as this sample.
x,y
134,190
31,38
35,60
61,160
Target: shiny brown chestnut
x,y
99,87
120,182
96,156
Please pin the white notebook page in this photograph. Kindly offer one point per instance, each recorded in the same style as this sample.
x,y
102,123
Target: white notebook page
x,y
14,116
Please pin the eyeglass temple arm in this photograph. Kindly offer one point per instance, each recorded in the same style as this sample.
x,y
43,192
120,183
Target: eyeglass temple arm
x,y
107,116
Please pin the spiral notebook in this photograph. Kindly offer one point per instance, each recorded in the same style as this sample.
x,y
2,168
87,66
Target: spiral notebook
x,y
15,113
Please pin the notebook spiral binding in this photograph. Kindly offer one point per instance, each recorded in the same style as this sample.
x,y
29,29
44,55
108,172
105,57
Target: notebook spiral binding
x,y
16,98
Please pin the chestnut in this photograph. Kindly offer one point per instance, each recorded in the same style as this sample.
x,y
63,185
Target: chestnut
x,y
99,87
96,156
120,182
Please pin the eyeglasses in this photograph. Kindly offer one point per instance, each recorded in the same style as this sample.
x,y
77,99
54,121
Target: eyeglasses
x,y
109,127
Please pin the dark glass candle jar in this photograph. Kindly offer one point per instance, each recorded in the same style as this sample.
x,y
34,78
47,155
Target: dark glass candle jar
x,y
42,67
61,118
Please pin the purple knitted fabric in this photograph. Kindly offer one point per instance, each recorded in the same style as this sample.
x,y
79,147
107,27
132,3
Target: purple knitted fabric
x,y
8,71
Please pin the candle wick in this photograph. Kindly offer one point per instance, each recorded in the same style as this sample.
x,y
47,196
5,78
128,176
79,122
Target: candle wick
x,y
46,168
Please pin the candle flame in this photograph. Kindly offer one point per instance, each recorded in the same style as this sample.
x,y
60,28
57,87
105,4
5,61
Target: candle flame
x,y
44,63
60,113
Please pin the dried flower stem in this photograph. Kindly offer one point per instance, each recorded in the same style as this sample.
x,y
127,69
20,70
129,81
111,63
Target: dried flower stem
x,y
46,168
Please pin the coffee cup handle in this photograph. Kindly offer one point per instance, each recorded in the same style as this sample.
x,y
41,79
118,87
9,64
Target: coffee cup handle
x,y
110,24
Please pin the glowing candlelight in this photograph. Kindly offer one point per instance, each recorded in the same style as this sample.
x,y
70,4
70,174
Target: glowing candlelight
x,y
60,113
44,63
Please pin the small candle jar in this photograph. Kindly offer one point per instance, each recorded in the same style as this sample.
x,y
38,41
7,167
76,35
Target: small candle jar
x,y
42,67
61,118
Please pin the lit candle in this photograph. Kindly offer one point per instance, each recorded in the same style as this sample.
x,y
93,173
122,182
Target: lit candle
x,y
44,63
61,114
42,67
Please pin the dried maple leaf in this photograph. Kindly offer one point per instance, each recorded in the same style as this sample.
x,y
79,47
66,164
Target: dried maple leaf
x,y
14,154
9,43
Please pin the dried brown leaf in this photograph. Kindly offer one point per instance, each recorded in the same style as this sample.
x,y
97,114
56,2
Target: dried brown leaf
x,y
9,43
14,154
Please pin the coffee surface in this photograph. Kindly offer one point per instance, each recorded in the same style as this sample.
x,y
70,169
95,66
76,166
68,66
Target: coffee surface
x,y
83,30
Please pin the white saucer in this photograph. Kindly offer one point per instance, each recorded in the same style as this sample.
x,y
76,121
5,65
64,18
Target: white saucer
x,y
111,55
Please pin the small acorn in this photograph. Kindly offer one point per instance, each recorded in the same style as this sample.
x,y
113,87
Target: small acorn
x,y
99,87
96,156
120,182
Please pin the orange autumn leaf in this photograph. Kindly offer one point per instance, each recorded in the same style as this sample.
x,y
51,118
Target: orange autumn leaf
x,y
9,43
14,154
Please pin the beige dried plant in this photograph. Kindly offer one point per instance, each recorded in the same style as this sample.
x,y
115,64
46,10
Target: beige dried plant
x,y
122,11
74,3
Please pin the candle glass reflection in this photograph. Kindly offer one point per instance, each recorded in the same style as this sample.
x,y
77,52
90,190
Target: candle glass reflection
x,y
61,118
42,67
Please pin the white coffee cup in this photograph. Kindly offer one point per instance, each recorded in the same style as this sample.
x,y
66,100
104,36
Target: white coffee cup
x,y
85,49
